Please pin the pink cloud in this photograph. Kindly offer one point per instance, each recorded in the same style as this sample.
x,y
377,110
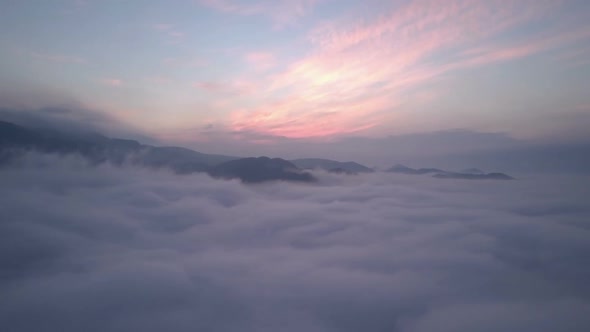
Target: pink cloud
x,y
163,26
293,118
113,82
359,72
261,60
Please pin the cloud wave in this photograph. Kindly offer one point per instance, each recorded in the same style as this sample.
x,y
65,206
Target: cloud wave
x,y
107,249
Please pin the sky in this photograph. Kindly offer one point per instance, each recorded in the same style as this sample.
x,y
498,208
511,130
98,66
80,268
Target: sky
x,y
261,71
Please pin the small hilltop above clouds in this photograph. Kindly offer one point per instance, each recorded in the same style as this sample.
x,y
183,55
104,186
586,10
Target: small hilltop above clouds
x,y
253,170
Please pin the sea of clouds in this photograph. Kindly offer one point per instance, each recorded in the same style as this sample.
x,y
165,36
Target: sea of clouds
x,y
122,249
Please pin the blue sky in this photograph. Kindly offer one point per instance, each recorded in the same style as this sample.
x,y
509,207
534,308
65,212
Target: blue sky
x,y
304,69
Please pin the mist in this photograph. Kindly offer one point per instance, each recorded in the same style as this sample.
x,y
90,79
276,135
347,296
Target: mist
x,y
455,149
72,119
123,249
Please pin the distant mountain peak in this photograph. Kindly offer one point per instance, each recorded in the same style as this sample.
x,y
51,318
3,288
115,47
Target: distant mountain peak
x,y
349,167
260,169
472,170
398,168
15,140
468,174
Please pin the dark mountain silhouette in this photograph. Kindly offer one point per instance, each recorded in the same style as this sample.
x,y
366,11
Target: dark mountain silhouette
x,y
181,160
16,140
253,170
349,167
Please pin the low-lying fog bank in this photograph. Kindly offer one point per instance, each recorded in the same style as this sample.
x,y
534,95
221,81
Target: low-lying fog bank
x,y
121,249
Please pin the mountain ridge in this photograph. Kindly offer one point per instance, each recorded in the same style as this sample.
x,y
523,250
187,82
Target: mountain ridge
x,y
333,166
467,174
97,148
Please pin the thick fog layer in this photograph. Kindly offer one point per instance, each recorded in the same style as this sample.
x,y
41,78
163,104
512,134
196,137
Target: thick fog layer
x,y
108,249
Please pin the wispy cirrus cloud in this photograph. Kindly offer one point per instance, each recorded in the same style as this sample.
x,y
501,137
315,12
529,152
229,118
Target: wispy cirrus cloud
x,y
292,117
575,57
358,72
179,62
159,80
281,12
72,7
496,53
222,87
81,3
58,58
172,33
306,68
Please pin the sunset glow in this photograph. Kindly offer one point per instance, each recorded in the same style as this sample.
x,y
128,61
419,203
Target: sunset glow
x,y
302,68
